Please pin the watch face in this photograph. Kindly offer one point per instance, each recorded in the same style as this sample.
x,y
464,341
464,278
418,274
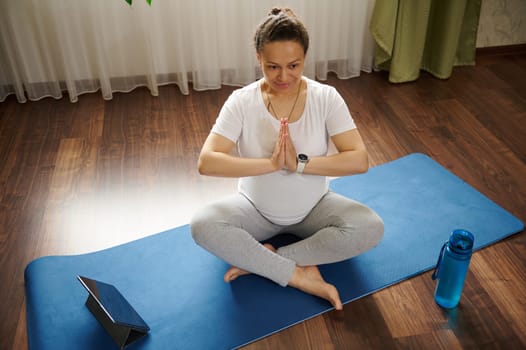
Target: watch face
x,y
303,157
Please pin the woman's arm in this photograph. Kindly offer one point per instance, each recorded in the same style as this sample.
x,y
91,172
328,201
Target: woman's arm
x,y
215,160
352,157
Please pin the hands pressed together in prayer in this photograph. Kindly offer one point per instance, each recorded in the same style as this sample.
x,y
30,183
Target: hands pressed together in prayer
x,y
284,155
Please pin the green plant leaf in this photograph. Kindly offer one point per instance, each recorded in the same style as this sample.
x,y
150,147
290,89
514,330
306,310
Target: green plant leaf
x,y
149,2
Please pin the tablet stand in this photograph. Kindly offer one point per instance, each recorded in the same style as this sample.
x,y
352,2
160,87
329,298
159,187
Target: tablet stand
x,y
122,335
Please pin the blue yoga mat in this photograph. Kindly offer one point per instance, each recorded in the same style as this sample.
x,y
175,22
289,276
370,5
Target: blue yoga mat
x,y
178,290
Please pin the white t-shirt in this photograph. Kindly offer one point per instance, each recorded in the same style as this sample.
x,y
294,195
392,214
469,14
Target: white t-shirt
x,y
283,197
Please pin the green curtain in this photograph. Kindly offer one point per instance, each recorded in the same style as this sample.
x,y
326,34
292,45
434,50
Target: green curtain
x,y
433,35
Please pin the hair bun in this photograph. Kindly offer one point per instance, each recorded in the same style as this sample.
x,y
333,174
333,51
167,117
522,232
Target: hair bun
x,y
276,11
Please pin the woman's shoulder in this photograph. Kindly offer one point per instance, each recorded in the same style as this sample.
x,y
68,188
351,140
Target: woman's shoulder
x,y
320,89
243,96
248,90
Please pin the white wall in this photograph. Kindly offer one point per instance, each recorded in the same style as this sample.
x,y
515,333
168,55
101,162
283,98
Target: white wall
x,y
502,22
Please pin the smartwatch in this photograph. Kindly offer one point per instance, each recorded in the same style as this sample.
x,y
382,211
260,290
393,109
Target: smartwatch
x,y
303,159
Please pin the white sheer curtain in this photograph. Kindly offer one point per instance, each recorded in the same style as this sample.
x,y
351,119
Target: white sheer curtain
x,y
57,47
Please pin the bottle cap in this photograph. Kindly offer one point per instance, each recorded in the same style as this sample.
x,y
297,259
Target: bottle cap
x,y
461,241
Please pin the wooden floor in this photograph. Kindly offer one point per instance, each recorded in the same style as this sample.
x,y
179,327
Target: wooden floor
x,y
85,176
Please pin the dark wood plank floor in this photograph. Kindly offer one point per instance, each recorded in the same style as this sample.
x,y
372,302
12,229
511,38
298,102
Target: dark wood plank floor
x,y
81,177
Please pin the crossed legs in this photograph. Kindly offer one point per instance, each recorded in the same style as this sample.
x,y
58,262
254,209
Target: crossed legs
x,y
336,229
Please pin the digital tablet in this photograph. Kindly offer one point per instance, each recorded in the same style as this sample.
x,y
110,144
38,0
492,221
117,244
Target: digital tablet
x,y
113,304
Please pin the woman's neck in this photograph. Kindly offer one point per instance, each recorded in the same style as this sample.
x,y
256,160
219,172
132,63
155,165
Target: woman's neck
x,y
290,93
286,105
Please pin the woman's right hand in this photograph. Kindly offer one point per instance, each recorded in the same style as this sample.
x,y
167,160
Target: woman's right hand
x,y
278,156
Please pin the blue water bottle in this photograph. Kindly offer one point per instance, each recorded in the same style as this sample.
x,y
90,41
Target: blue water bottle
x,y
452,267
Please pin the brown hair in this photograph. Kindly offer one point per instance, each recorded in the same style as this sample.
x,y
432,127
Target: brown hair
x,y
281,25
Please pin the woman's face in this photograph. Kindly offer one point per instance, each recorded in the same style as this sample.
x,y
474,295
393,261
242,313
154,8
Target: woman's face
x,y
282,64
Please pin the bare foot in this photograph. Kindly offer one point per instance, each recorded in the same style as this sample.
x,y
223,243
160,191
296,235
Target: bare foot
x,y
234,272
309,280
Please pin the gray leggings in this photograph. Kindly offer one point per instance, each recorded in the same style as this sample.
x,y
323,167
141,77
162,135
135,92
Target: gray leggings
x,y
336,229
